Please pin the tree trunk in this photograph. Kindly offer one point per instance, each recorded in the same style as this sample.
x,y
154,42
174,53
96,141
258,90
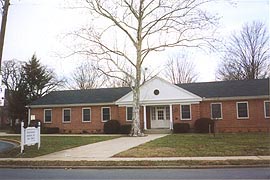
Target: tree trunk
x,y
136,127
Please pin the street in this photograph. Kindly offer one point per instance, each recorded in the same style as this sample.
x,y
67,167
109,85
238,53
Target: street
x,y
225,173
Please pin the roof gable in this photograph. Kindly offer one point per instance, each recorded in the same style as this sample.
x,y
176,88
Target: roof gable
x,y
167,93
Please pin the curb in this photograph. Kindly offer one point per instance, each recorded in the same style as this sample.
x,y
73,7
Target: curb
x,y
11,140
133,167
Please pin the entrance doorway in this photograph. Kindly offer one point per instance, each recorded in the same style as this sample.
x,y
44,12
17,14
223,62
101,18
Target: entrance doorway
x,y
160,116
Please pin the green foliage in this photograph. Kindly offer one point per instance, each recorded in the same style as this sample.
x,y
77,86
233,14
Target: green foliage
x,y
125,128
204,145
25,83
181,128
202,125
37,78
111,127
50,144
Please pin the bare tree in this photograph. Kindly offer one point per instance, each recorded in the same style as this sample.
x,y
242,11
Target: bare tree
x,y
247,54
12,74
128,31
180,70
87,76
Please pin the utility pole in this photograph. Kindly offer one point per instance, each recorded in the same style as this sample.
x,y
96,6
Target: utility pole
x,y
3,28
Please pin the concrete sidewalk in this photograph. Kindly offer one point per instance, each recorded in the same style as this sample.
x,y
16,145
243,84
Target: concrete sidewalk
x,y
212,158
102,150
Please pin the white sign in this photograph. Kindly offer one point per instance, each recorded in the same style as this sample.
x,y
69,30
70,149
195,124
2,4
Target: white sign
x,y
30,136
32,117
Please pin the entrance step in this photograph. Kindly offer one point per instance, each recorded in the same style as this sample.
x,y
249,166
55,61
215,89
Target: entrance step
x,y
157,131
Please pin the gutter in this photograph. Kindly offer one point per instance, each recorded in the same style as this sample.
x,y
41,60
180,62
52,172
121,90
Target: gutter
x,y
235,98
70,105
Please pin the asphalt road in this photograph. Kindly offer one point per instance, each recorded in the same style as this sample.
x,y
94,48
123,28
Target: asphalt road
x,y
5,145
227,173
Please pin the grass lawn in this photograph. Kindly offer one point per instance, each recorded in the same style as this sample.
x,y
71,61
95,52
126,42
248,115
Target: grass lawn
x,y
195,145
50,144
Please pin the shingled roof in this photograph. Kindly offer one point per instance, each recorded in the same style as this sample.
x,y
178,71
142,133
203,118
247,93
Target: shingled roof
x,y
90,96
219,89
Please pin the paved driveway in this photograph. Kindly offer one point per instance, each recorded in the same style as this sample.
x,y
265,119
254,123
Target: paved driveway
x,y
4,145
104,149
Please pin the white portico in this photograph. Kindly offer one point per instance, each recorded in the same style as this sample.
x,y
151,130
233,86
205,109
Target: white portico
x,y
157,98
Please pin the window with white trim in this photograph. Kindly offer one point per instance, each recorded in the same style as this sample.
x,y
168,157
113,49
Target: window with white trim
x,y
242,110
86,115
66,115
185,112
216,111
267,109
47,115
153,113
167,112
106,114
129,112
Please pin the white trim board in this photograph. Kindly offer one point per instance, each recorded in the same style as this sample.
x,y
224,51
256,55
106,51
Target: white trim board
x,y
168,94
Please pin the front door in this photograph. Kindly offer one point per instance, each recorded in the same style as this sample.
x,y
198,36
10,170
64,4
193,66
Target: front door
x,y
160,117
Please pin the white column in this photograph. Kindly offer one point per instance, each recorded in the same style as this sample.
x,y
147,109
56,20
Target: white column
x,y
29,116
144,118
171,117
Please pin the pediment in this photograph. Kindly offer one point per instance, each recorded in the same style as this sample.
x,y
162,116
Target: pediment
x,y
159,91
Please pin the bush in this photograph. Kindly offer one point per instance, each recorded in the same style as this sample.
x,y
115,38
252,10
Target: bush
x,y
181,128
50,130
202,125
111,127
125,129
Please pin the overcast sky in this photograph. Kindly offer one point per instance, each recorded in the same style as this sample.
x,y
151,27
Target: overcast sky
x,y
38,26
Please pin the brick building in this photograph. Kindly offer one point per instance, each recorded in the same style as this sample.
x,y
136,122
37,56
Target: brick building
x,y
238,106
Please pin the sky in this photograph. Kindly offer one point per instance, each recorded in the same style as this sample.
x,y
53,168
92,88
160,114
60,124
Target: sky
x,y
40,26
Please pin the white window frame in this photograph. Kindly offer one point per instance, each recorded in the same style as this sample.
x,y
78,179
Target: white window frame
x,y
264,104
45,114
181,113
64,115
86,108
247,110
102,114
127,113
221,114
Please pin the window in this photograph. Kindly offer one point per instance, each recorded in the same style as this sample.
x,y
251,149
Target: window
x,y
86,115
242,110
185,112
267,109
160,113
47,115
66,115
216,111
106,114
153,113
129,111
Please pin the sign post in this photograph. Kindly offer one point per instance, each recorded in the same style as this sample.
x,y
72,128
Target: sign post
x,y
30,136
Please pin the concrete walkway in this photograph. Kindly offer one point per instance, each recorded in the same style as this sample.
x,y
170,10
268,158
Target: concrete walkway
x,y
102,150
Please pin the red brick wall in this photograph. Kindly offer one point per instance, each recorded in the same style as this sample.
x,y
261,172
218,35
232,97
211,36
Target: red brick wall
x,y
76,125
229,122
195,114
